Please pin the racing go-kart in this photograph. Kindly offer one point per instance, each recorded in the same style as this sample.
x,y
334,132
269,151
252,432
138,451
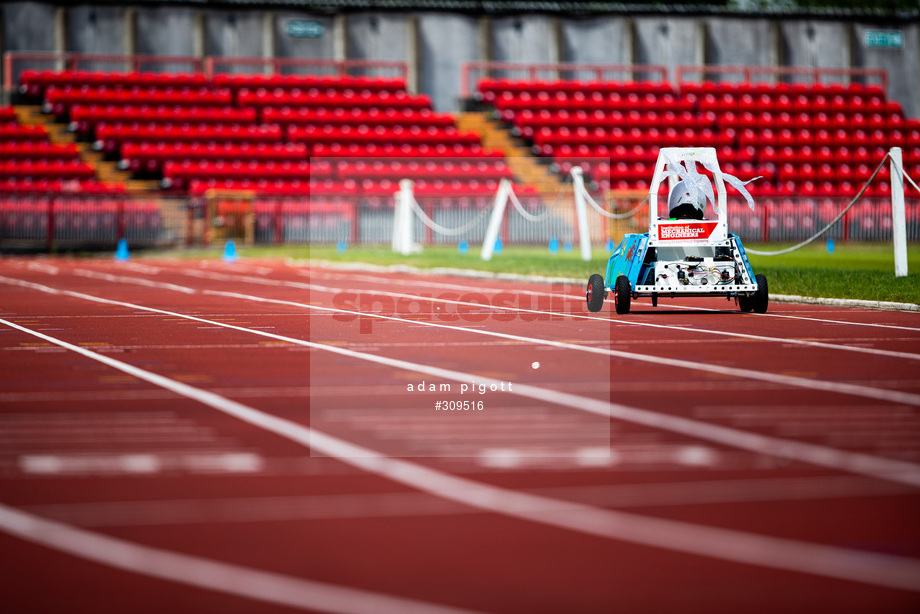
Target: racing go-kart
x,y
684,254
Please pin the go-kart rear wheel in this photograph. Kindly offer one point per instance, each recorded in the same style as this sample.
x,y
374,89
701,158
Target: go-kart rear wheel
x,y
595,293
621,295
761,298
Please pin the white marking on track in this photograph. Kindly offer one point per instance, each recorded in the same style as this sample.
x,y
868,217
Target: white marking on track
x,y
132,280
670,305
884,394
205,573
888,469
563,314
134,464
408,504
731,545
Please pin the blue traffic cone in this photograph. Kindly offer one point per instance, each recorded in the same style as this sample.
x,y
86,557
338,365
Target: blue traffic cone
x,y
567,246
230,252
609,245
463,248
554,245
498,246
341,246
121,252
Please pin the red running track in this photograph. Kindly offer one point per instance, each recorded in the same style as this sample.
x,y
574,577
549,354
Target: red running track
x,y
215,437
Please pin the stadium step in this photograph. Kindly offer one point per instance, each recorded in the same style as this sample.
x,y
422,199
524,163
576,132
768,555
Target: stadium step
x,y
526,167
106,172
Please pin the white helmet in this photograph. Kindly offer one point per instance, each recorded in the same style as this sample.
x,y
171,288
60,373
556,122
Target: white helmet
x,y
682,205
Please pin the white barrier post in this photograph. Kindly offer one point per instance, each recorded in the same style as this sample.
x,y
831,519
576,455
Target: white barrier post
x,y
581,213
898,221
495,222
402,219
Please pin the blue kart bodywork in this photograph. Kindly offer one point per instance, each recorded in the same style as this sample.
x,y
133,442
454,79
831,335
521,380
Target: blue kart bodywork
x,y
629,259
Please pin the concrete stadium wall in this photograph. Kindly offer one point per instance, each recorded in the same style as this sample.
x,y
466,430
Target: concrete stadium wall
x,y
29,26
444,42
740,42
531,39
167,31
96,29
903,65
234,34
605,40
436,44
668,41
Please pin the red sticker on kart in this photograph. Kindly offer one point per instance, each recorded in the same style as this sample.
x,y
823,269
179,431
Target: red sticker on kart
x,y
683,232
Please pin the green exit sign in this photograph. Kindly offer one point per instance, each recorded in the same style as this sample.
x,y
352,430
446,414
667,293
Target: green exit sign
x,y
884,39
305,28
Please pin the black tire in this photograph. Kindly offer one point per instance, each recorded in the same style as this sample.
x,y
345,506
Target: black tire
x,y
622,295
761,298
746,303
595,293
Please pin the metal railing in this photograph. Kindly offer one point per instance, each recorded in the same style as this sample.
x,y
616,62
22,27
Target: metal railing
x,y
773,75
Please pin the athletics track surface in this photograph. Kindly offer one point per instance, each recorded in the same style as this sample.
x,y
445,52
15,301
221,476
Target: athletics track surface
x,y
213,437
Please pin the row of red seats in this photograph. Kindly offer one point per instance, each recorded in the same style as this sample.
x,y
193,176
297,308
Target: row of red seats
x,y
527,122
18,132
404,150
109,137
59,100
356,116
397,134
84,118
349,188
237,82
33,83
45,185
798,104
296,98
53,169
8,115
38,150
490,89
149,157
179,175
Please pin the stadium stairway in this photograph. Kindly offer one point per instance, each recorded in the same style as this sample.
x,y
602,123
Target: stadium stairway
x,y
529,169
106,172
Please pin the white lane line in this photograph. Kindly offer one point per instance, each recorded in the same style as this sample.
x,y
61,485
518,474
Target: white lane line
x,y
409,504
731,545
208,574
134,280
887,469
581,299
562,314
882,394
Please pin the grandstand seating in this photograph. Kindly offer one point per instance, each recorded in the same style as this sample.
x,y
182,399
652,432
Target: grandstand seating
x,y
258,132
803,140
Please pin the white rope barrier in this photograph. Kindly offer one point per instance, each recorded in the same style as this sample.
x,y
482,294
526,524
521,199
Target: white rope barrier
x,y
524,214
614,216
450,232
829,224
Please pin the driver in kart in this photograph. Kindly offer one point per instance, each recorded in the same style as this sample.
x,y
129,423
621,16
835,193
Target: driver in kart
x,y
684,206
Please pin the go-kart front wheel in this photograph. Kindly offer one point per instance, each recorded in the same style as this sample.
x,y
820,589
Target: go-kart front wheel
x,y
759,301
595,293
622,295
